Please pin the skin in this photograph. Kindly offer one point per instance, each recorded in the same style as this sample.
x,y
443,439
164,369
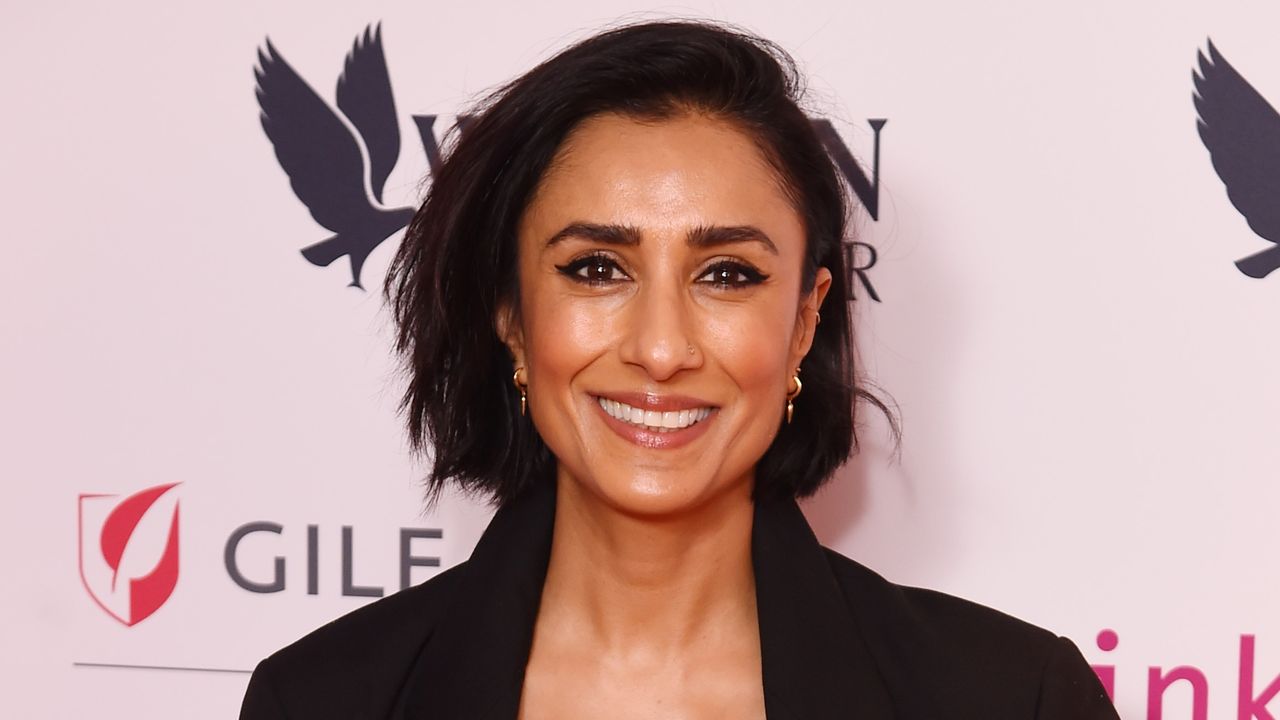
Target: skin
x,y
648,608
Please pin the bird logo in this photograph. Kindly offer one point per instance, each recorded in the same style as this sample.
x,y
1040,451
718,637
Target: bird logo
x,y
1242,133
320,150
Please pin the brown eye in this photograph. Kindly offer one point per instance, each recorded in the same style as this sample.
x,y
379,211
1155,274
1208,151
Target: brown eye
x,y
727,276
593,270
732,275
598,271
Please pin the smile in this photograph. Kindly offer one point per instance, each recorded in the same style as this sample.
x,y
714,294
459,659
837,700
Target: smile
x,y
653,420
661,423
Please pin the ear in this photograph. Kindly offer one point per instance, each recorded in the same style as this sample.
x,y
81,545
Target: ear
x,y
807,316
507,325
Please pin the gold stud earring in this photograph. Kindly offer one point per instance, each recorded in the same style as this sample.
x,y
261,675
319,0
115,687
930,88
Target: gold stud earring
x,y
791,394
522,387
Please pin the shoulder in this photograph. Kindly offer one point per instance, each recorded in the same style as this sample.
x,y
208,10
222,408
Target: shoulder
x,y
354,666
976,660
941,617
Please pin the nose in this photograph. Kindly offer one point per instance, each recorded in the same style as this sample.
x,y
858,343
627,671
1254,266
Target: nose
x,y
659,331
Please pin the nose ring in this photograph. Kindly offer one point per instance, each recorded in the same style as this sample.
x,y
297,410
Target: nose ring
x,y
690,349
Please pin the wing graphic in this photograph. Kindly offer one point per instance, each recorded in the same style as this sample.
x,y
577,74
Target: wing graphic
x,y
1241,130
364,96
316,150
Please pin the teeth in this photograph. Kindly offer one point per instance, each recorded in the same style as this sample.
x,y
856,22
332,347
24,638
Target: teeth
x,y
652,419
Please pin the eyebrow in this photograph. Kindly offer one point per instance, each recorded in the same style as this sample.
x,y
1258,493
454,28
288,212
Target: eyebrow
x,y
703,236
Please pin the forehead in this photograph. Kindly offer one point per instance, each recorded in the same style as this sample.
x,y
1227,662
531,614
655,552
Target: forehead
x,y
689,169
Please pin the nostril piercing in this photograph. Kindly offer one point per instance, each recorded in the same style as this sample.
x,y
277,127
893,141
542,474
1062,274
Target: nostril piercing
x,y
690,349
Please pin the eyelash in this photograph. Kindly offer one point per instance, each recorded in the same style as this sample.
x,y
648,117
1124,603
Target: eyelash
x,y
574,268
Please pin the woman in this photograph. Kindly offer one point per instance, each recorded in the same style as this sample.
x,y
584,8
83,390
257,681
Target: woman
x,y
607,305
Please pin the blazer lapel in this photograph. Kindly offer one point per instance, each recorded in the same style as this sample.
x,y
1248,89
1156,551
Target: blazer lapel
x,y
473,663
815,662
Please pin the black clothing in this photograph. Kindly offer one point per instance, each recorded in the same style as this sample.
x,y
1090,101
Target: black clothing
x,y
837,641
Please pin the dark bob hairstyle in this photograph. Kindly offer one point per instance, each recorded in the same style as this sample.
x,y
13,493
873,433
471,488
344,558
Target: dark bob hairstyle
x,y
457,264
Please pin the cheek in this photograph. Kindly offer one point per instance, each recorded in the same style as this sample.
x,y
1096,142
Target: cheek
x,y
751,343
564,335
750,347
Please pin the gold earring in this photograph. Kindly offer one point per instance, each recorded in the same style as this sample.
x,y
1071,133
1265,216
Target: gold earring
x,y
791,394
522,387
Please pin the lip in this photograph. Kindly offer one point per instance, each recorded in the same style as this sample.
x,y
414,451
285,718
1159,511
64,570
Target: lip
x,y
657,440
659,403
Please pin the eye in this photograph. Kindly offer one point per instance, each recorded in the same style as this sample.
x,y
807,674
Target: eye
x,y
730,275
593,270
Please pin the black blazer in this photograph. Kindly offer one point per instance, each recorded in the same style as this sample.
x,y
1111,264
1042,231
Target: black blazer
x,y
837,641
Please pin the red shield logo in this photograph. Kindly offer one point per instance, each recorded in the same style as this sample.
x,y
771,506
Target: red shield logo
x,y
129,551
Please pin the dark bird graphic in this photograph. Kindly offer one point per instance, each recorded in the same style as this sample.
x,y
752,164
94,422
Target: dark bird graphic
x,y
322,156
1242,132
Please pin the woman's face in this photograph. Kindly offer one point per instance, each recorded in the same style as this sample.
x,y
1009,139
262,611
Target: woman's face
x,y
660,316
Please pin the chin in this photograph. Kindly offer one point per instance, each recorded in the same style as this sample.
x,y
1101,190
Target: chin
x,y
655,494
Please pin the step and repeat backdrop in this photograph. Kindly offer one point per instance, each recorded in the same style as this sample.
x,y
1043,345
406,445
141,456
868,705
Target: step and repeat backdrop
x,y
1065,268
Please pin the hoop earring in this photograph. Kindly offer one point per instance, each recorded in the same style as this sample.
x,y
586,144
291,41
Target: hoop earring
x,y
791,394
522,387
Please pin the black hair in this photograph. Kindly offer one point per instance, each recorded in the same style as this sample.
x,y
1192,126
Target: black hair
x,y
457,263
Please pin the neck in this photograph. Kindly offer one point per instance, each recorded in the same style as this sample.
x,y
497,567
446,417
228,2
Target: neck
x,y
643,584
